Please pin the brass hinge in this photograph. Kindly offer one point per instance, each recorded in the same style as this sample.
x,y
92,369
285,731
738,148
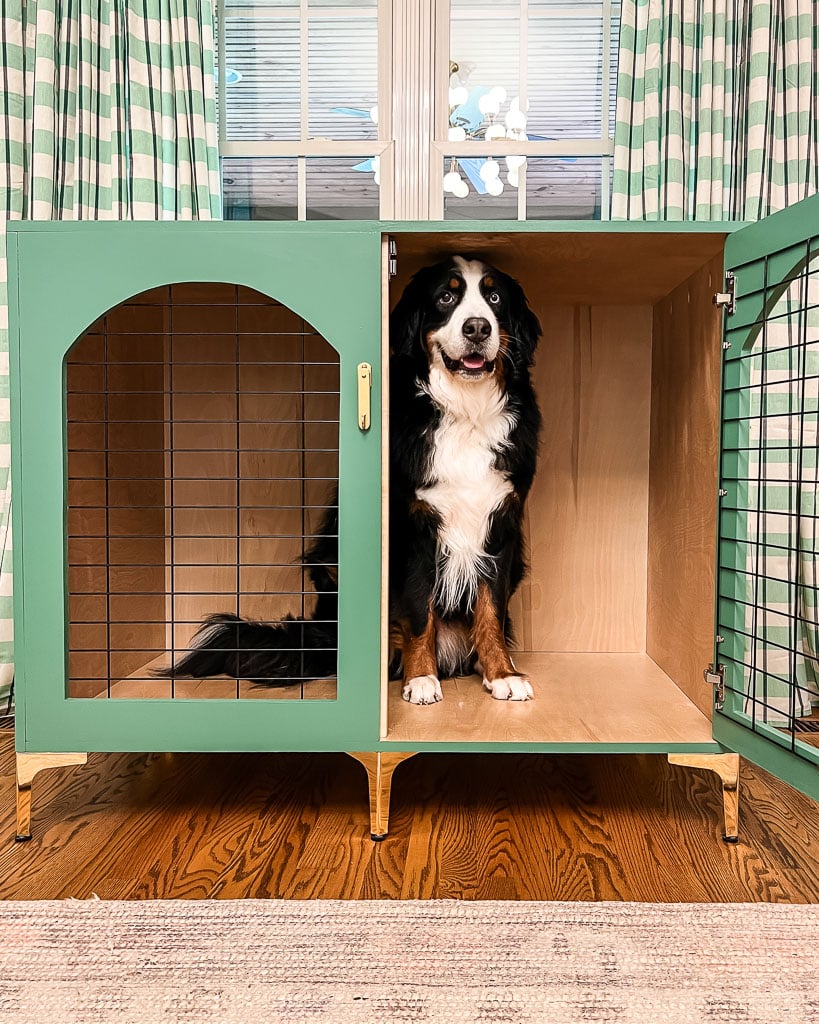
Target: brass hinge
x,y
715,677
728,299
392,254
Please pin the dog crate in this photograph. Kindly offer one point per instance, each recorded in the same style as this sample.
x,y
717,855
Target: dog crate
x,y
183,394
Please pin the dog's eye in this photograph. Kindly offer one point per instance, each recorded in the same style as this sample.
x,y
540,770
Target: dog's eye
x,y
494,298
446,298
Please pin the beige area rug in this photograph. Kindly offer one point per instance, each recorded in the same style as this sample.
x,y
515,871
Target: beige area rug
x,y
256,962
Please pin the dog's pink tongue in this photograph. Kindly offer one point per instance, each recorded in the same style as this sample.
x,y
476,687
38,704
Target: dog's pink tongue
x,y
473,362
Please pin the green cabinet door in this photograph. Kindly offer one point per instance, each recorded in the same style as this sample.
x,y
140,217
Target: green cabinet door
x,y
63,277
768,586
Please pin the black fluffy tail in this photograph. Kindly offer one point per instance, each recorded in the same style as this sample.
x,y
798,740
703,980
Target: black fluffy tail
x,y
290,652
274,654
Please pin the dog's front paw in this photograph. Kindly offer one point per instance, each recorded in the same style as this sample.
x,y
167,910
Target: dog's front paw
x,y
422,690
509,688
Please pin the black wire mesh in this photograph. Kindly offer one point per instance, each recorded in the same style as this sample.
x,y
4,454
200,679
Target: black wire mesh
x,y
202,456
768,522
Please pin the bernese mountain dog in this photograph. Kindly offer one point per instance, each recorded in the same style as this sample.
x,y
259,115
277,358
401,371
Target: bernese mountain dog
x,y
464,425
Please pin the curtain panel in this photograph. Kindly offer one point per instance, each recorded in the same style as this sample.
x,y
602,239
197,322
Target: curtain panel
x,y
108,113
717,108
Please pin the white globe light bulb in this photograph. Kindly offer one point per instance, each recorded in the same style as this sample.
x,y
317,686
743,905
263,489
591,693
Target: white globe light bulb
x,y
462,191
494,131
515,162
457,134
515,120
377,178
513,178
490,170
374,114
458,96
488,104
451,181
499,93
494,187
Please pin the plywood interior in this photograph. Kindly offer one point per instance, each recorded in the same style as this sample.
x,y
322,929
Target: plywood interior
x,y
579,698
574,267
620,522
211,415
683,481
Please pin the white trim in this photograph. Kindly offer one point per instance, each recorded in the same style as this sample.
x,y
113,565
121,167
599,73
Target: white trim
x,y
605,98
523,79
307,147
301,189
535,13
506,147
413,105
386,156
293,13
221,46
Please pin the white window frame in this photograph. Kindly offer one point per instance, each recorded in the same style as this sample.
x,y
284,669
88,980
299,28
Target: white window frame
x,y
413,81
304,147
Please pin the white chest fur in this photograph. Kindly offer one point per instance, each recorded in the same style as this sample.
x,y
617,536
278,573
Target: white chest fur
x,y
462,484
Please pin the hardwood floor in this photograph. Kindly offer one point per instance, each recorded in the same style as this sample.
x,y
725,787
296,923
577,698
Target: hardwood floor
x,y
626,827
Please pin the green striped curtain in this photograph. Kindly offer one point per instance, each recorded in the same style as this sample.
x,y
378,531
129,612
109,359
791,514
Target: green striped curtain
x,y
108,113
717,108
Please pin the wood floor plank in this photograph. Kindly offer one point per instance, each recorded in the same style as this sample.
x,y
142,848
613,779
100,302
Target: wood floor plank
x,y
506,826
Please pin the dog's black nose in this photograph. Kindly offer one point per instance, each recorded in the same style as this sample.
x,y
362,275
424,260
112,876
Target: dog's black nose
x,y
476,328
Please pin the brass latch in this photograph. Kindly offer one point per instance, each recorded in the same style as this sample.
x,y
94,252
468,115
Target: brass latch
x,y
365,386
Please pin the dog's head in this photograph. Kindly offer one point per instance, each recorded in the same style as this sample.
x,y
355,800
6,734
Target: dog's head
x,y
467,318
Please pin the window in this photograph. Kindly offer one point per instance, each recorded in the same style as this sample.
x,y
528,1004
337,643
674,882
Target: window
x,y
416,109
298,109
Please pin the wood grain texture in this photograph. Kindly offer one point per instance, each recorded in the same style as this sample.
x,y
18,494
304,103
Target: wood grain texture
x,y
579,698
682,506
587,511
559,268
629,827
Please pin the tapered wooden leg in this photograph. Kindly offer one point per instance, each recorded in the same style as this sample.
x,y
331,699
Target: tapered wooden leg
x,y
28,765
379,768
727,767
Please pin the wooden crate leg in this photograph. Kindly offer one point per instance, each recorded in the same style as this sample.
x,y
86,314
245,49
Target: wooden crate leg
x,y
379,768
727,767
29,765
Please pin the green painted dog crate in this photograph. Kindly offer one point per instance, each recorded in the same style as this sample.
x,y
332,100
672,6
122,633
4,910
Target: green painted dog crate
x,y
185,396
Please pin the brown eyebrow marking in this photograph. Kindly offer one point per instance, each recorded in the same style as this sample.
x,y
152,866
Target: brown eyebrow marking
x,y
488,281
454,282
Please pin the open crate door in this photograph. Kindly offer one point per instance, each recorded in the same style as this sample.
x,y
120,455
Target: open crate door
x,y
768,586
186,397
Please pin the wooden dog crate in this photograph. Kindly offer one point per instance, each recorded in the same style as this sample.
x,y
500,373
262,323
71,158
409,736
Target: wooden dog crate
x,y
185,396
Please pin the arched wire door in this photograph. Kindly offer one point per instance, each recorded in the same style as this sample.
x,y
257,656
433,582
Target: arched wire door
x,y
202,437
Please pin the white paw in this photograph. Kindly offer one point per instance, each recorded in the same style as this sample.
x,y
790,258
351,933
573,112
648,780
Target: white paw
x,y
509,688
422,690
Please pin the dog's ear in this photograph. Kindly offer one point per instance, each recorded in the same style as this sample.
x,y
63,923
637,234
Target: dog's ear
x,y
524,325
406,318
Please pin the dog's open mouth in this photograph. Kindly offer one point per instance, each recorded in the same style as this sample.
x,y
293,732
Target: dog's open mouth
x,y
471,365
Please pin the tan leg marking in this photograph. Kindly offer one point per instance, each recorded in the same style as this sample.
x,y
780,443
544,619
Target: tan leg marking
x,y
421,683
499,674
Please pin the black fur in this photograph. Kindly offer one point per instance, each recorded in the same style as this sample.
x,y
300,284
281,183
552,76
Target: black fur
x,y
268,653
413,419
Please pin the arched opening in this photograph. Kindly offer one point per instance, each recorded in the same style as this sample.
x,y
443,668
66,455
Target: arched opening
x,y
202,458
